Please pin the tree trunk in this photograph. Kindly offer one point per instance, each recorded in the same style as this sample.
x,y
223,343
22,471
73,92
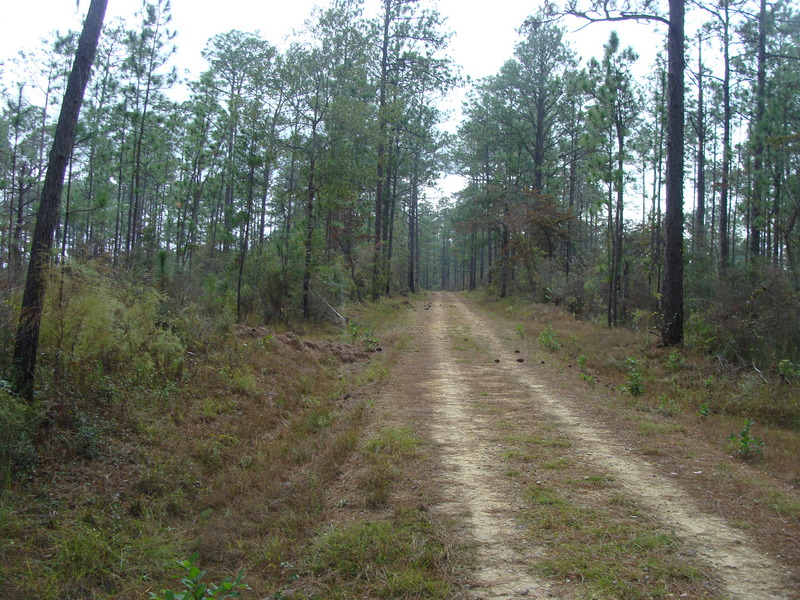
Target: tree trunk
x,y
700,216
309,244
672,332
27,340
759,177
377,272
413,235
724,192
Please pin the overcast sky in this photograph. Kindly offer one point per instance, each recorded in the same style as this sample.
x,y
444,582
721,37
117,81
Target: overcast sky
x,y
484,30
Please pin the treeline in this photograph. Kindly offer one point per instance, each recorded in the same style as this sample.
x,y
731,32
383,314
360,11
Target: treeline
x,y
289,181
285,183
566,165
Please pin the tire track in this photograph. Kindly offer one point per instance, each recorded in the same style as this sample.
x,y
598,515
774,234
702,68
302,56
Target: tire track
x,y
745,573
474,488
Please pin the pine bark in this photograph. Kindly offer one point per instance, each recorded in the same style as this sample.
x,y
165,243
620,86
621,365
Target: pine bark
x,y
672,332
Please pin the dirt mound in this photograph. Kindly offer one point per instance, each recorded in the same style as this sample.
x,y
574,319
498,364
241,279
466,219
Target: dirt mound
x,y
344,353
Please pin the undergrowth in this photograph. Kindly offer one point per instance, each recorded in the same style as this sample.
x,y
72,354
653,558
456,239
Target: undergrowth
x,y
161,429
674,383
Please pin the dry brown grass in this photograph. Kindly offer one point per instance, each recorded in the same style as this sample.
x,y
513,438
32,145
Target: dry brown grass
x,y
233,460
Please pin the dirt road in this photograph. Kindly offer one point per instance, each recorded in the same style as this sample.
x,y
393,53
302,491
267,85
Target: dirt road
x,y
464,386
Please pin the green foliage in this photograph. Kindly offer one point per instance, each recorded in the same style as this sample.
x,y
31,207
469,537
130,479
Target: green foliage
x,y
752,318
195,589
18,421
744,444
667,406
789,370
587,377
704,410
397,558
675,361
99,332
357,333
635,383
548,339
86,436
700,334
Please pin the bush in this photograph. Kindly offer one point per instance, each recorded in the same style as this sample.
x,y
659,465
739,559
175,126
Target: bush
x,y
754,318
97,331
18,420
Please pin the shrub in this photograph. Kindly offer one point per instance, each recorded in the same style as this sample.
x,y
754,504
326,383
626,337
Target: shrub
x,y
97,331
744,444
635,384
548,339
18,420
753,318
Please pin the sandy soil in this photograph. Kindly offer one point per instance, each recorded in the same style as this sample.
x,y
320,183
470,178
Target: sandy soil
x,y
433,389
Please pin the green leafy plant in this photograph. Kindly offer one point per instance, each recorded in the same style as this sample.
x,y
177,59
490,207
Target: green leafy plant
x,y
18,422
667,406
789,370
353,330
704,410
356,331
635,383
675,361
744,444
548,339
290,569
521,332
582,361
194,589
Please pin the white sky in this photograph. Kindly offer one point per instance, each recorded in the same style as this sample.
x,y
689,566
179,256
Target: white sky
x,y
484,31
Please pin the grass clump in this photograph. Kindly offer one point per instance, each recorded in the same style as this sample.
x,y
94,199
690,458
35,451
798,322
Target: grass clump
x,y
385,453
394,441
781,504
402,557
605,554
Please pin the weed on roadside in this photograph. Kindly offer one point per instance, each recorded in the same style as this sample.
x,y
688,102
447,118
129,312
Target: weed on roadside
x,y
385,453
744,444
603,553
635,382
548,339
195,589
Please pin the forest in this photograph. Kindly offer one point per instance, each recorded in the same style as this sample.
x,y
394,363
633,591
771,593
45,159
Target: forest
x,y
290,182
287,188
